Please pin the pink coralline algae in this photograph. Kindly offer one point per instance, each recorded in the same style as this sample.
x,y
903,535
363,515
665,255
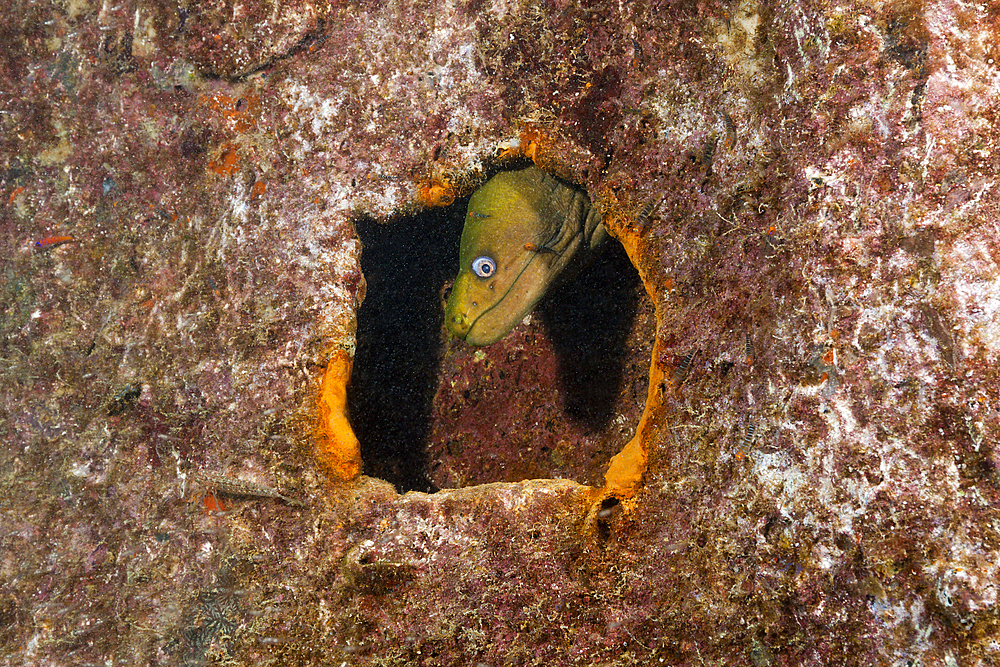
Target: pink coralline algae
x,y
803,193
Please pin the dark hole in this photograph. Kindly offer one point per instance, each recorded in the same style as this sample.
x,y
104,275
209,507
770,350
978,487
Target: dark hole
x,y
405,264
603,531
589,320
607,504
610,508
432,412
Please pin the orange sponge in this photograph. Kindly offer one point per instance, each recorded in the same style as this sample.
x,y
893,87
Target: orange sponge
x,y
337,447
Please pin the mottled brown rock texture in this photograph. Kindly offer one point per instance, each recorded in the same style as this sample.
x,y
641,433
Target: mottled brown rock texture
x,y
807,190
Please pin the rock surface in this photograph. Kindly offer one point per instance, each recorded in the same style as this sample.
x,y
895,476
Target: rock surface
x,y
808,191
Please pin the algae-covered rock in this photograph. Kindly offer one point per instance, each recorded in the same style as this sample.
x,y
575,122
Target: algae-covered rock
x,y
795,463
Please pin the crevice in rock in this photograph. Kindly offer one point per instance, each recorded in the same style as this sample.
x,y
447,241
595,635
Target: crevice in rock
x,y
557,397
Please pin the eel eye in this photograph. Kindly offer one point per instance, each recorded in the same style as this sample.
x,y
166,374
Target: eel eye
x,y
484,267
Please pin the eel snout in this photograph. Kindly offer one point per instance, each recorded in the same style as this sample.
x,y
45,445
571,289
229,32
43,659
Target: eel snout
x,y
458,324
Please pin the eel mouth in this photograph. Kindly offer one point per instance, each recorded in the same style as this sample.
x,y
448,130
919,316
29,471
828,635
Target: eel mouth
x,y
458,325
476,332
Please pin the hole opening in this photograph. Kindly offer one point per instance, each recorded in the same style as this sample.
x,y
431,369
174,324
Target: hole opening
x,y
557,397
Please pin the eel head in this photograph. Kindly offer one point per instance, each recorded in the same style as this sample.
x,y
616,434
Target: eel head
x,y
523,230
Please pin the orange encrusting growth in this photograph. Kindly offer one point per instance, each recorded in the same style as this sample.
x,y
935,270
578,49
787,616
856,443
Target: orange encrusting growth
x,y
627,467
241,114
337,447
437,193
532,144
213,504
228,161
437,188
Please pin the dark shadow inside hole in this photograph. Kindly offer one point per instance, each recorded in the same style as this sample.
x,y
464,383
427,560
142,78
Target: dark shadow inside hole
x,y
589,320
405,264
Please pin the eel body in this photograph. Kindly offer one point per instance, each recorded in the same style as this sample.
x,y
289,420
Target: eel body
x,y
525,232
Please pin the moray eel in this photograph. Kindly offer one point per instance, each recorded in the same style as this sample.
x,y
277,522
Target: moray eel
x,y
525,233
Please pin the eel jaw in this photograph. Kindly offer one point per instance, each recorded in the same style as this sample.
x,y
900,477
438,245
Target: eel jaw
x,y
476,330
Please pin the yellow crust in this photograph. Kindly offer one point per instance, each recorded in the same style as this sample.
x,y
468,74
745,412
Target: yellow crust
x,y
337,447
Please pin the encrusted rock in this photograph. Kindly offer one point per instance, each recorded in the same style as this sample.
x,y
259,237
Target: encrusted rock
x,y
806,190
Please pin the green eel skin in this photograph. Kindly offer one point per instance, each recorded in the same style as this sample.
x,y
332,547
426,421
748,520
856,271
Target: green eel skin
x,y
534,231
